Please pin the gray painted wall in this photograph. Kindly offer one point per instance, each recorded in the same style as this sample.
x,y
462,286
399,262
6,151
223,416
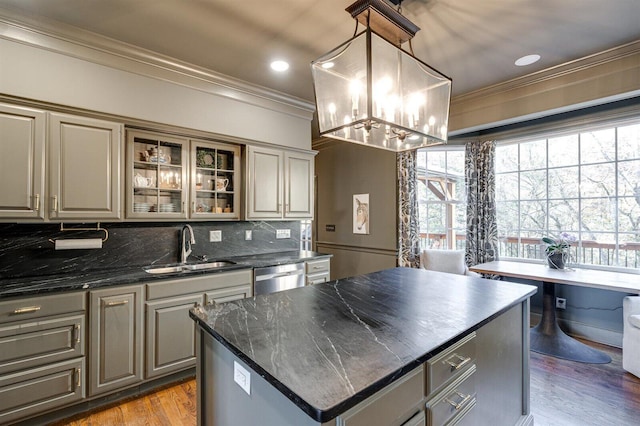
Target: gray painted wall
x,y
345,169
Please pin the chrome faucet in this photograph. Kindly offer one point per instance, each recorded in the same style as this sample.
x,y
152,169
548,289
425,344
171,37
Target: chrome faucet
x,y
185,243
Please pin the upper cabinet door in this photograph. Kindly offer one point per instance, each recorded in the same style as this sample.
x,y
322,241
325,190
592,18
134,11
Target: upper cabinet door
x,y
157,177
299,176
215,180
264,183
84,168
22,151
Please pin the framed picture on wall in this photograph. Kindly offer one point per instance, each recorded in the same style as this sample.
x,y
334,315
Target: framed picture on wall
x,y
361,213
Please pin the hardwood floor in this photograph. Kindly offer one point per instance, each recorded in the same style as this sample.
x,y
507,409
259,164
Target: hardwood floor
x,y
563,393
567,393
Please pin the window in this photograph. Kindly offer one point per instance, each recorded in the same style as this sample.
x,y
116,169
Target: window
x,y
586,183
305,235
441,197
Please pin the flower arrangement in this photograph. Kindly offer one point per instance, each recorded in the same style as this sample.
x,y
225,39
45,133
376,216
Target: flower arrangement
x,y
557,249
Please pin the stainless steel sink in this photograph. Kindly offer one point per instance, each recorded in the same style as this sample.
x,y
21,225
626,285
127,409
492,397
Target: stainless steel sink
x,y
209,265
164,269
188,267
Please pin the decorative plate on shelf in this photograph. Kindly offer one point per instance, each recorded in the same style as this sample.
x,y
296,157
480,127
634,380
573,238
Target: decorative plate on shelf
x,y
205,159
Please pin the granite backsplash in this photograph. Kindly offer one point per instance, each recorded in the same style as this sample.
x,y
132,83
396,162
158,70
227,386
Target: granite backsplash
x,y
26,249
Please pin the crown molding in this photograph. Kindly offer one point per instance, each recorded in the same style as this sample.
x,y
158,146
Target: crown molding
x,y
85,45
552,73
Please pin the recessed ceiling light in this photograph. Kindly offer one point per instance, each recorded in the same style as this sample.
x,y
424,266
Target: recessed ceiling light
x,y
279,66
527,60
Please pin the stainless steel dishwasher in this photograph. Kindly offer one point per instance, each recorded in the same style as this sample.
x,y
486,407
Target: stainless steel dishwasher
x,y
278,278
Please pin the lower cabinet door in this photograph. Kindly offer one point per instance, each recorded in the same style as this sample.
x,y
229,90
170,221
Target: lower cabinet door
x,y
171,335
30,392
116,322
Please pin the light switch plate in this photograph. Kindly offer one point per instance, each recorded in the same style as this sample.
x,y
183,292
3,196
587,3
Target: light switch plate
x,y
248,234
283,233
242,377
215,236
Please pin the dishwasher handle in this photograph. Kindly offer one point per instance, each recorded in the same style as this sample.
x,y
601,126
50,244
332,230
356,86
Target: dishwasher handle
x,y
279,275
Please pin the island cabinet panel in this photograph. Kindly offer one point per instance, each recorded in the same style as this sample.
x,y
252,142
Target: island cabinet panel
x,y
393,405
116,324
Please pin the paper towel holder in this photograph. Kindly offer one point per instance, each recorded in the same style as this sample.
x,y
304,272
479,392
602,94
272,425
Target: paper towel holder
x,y
97,228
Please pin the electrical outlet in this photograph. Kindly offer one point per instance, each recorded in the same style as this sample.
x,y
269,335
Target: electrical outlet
x,y
248,235
242,377
561,303
283,233
215,236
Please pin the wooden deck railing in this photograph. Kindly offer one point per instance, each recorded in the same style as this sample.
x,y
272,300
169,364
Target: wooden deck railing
x,y
586,252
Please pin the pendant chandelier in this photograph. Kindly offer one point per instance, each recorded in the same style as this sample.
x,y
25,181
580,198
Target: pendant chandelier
x,y
372,92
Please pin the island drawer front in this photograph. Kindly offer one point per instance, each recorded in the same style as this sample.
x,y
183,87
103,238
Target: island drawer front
x,y
391,406
200,284
315,266
29,344
449,364
30,392
41,306
454,402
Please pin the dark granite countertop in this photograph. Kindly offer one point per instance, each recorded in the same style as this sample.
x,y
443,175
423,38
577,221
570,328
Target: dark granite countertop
x,y
329,346
34,285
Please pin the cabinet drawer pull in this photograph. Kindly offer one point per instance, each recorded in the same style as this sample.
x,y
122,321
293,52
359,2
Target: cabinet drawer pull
x,y
76,335
459,405
461,363
26,310
78,377
55,204
317,267
117,303
37,203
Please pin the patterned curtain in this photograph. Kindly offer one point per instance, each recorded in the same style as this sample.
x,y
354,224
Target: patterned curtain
x,y
408,235
482,231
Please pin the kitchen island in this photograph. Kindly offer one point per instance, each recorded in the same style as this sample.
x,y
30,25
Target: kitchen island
x,y
400,346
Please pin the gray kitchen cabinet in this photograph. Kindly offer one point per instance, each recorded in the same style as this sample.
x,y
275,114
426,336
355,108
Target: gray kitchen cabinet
x,y
222,295
317,271
215,180
279,184
42,354
116,344
22,161
394,405
170,335
157,177
170,332
84,168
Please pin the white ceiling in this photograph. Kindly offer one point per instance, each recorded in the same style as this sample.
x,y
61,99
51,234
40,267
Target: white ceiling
x,y
473,41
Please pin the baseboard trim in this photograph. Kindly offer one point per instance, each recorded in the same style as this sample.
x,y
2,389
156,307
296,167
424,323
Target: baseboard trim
x,y
585,331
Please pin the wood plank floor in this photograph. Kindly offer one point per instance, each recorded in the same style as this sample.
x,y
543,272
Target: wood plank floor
x,y
563,393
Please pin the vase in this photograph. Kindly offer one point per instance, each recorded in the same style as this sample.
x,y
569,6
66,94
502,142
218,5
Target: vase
x,y
556,260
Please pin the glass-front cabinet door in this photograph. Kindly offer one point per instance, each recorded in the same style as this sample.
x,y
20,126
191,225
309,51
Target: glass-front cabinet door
x,y
157,184
215,180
